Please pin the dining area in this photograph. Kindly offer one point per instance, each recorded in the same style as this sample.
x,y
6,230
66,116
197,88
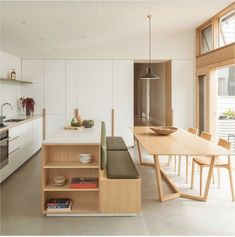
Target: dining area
x,y
185,156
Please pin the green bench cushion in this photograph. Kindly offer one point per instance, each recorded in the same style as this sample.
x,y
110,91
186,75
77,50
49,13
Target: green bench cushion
x,y
103,146
121,166
115,144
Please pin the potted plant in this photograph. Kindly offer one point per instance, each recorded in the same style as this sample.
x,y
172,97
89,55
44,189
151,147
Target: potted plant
x,y
28,105
229,114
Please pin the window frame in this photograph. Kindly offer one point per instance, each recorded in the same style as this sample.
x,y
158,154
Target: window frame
x,y
202,36
215,23
221,32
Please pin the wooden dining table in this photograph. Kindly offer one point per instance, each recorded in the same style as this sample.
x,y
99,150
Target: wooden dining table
x,y
180,143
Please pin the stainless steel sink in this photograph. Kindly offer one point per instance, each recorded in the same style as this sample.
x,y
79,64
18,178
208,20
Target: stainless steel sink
x,y
14,120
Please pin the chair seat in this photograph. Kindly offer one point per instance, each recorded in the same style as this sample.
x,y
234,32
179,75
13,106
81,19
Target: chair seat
x,y
205,161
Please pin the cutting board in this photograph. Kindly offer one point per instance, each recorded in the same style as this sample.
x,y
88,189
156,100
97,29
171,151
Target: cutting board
x,y
72,128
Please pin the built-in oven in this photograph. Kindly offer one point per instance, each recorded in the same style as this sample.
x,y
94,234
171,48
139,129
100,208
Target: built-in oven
x,y
4,148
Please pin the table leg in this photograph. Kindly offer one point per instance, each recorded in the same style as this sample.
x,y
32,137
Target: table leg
x,y
139,152
158,177
208,182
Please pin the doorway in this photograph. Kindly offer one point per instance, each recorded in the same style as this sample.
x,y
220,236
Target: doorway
x,y
152,98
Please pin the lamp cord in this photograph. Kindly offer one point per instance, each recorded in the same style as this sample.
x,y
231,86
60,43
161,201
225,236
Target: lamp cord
x,y
149,16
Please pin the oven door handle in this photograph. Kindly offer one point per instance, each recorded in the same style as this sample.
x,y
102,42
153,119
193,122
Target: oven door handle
x,y
6,139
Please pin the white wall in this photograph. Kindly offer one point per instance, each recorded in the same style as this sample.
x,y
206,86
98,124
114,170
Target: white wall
x,y
183,93
9,92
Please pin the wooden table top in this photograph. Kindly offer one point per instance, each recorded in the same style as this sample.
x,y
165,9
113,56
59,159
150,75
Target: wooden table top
x,y
179,143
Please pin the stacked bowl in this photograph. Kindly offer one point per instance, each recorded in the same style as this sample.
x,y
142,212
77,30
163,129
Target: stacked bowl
x,y
85,158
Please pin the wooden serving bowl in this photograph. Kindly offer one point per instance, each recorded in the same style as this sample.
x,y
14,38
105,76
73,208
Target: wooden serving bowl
x,y
164,130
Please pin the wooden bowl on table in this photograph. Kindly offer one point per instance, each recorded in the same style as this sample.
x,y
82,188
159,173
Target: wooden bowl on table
x,y
164,130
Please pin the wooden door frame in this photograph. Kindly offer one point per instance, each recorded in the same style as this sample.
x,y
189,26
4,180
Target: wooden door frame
x,y
168,94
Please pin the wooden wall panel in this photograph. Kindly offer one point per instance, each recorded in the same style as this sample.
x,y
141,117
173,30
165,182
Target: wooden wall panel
x,y
168,94
216,58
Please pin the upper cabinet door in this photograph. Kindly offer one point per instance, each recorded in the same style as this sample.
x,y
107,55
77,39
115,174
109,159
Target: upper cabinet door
x,y
72,71
94,89
55,86
123,99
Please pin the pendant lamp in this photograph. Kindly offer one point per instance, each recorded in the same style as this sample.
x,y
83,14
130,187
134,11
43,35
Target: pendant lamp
x,y
150,74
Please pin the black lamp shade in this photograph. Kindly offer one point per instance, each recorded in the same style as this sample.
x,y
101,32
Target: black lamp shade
x,y
150,75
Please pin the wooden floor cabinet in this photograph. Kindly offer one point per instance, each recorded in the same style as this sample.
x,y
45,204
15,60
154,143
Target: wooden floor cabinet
x,y
64,160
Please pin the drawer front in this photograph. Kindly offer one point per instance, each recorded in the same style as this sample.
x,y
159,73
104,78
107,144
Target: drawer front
x,y
14,143
15,159
14,132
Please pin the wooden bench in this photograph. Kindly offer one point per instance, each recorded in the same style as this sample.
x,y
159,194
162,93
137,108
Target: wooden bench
x,y
120,184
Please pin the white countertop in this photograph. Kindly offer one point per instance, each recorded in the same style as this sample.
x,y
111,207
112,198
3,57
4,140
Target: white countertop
x,y
76,137
14,124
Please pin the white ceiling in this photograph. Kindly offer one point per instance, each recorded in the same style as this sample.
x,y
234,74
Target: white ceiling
x,y
34,29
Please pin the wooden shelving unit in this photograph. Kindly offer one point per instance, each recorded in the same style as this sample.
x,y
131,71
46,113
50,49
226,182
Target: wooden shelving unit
x,y
70,164
63,160
15,81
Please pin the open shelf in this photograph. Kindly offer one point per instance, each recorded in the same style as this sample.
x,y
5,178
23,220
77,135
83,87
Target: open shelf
x,y
62,160
77,208
66,187
15,81
70,165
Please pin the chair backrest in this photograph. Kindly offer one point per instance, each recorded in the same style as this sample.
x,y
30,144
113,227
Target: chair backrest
x,y
193,130
224,143
206,136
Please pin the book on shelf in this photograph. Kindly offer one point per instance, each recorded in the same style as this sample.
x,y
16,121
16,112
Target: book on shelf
x,y
84,183
59,204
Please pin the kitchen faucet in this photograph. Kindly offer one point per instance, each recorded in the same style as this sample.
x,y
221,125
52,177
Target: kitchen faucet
x,y
1,116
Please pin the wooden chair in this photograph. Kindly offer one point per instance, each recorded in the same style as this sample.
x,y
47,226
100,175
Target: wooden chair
x,y
195,132
205,162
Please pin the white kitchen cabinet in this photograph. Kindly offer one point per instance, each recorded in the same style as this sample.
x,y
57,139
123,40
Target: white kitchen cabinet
x,y
92,86
94,89
72,71
53,123
123,99
54,87
37,134
25,140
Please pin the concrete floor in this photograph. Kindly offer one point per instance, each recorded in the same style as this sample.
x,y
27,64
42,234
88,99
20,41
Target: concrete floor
x,y
21,214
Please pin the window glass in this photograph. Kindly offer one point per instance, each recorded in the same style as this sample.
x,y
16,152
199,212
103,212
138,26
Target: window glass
x,y
227,29
226,81
206,39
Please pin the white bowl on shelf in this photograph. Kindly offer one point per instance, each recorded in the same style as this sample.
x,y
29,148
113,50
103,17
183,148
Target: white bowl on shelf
x,y
85,155
85,158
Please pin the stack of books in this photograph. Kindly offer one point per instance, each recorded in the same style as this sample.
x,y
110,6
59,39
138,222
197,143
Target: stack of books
x,y
59,204
82,182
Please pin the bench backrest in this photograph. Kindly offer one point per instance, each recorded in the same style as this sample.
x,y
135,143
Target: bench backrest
x,y
103,149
